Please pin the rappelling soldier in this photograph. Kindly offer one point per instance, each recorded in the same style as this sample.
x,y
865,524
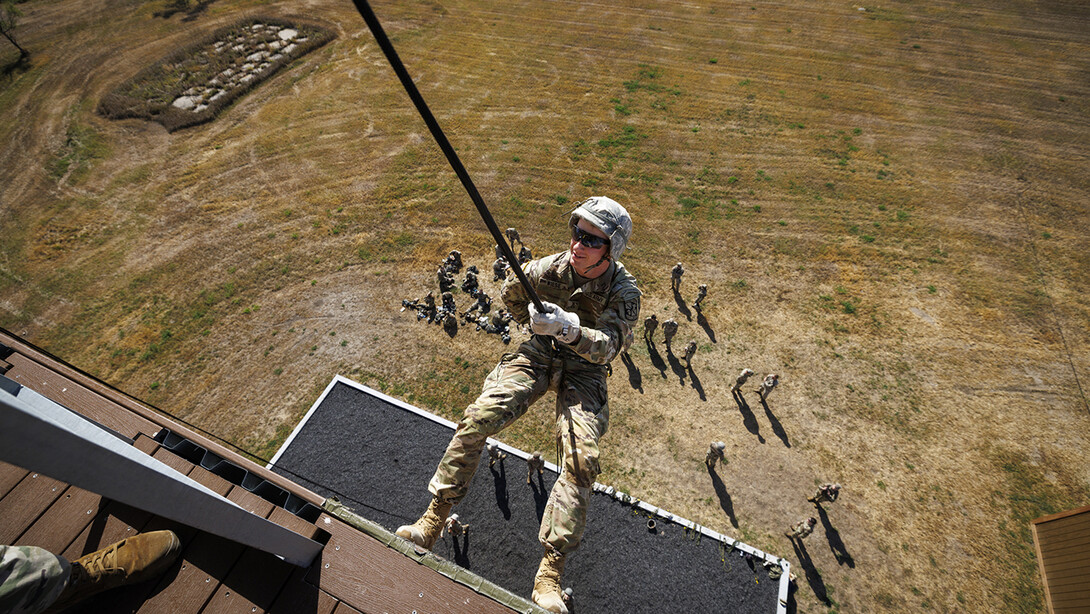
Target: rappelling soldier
x,y
591,306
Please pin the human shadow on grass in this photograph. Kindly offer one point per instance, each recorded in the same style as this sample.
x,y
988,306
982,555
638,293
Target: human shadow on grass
x,y
695,382
499,480
777,428
724,496
681,306
703,322
813,576
836,544
656,359
635,378
675,366
748,419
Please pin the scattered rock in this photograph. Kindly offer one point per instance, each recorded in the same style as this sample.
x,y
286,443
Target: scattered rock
x,y
290,48
287,34
184,103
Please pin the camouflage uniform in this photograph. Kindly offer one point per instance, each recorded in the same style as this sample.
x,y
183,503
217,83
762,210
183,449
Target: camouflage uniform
x,y
675,277
715,454
669,328
649,326
742,377
33,578
770,382
534,464
826,492
608,308
512,236
690,351
802,529
701,293
525,255
499,269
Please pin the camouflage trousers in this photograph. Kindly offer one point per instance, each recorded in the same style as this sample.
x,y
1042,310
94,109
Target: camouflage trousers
x,y
31,579
517,382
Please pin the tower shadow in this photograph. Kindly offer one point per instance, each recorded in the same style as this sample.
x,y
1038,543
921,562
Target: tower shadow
x,y
836,544
724,497
777,428
748,419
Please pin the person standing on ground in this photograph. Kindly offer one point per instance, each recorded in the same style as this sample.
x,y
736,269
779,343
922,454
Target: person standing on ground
x,y
675,277
591,306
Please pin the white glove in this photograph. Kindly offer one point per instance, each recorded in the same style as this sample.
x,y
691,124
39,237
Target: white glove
x,y
555,322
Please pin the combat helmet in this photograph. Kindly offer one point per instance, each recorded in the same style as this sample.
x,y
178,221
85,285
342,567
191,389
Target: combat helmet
x,y
610,217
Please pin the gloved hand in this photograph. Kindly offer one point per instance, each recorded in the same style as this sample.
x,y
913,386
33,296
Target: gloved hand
x,y
555,322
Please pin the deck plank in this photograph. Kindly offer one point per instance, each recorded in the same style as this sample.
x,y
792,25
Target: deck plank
x,y
362,572
25,503
63,521
76,396
10,475
252,584
112,522
299,596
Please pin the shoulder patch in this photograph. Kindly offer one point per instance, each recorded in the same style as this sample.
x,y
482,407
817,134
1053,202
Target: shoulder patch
x,y
632,307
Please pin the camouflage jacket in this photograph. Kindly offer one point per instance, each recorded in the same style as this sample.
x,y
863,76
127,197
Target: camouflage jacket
x,y
608,307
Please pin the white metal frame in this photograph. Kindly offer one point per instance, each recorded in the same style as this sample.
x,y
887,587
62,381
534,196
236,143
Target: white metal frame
x,y
40,435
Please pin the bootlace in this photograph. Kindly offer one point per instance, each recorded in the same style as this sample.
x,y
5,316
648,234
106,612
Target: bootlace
x,y
99,565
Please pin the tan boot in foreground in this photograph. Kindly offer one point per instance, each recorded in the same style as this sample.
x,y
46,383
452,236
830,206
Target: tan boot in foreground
x,y
129,561
547,593
426,530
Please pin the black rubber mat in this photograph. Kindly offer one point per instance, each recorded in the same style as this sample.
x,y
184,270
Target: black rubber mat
x,y
377,457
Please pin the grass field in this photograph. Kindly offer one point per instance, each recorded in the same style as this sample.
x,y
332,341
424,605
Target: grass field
x,y
889,207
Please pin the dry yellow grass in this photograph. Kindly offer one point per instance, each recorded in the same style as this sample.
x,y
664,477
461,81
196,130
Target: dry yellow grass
x,y
889,206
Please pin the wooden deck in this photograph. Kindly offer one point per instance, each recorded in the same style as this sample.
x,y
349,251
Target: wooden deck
x,y
1063,556
354,573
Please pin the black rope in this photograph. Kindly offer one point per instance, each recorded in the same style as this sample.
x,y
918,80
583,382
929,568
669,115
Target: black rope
x,y
437,133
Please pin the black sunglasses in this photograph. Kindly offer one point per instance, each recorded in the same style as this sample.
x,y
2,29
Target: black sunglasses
x,y
584,237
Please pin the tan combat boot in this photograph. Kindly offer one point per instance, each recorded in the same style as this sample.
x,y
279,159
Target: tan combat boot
x,y
547,593
426,530
129,561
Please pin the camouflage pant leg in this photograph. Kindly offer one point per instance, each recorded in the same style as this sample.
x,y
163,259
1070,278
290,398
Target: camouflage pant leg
x,y
582,418
508,392
31,579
